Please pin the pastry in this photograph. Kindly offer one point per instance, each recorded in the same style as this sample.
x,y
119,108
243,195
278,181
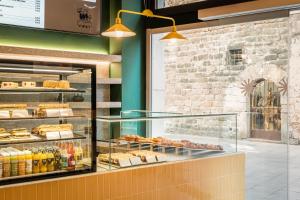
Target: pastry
x,y
132,138
4,134
53,110
9,85
143,154
13,106
115,157
28,84
64,84
43,129
54,105
20,133
50,84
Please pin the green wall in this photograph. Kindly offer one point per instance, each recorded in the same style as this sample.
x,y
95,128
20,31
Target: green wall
x,y
133,59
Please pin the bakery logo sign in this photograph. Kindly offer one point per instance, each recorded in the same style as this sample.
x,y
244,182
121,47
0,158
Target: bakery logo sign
x,y
84,18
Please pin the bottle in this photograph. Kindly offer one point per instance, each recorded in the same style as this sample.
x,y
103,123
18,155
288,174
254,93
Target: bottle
x,y
43,161
78,156
57,159
21,163
1,166
28,161
71,158
50,160
35,162
6,164
14,162
64,157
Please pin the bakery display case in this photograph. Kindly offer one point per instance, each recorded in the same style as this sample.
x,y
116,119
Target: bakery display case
x,y
137,138
46,130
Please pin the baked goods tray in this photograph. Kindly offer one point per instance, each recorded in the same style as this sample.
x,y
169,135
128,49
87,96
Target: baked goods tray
x,y
119,167
163,148
36,139
39,90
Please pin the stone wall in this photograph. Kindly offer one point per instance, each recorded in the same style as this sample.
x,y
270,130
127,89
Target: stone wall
x,y
294,72
170,3
200,80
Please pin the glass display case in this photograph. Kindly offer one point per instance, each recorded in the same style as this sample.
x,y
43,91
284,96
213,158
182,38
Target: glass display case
x,y
47,120
137,138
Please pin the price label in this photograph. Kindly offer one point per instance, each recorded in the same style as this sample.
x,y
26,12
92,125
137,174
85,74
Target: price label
x,y
52,112
151,159
135,161
161,158
66,112
52,135
66,134
124,162
4,114
20,113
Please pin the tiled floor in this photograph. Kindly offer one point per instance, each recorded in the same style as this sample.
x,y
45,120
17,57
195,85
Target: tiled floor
x,y
267,173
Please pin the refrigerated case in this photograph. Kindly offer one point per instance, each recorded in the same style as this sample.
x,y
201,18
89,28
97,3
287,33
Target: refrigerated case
x,y
138,138
47,120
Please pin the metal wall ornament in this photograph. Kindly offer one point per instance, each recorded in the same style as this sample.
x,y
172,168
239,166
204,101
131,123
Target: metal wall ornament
x,y
247,87
283,86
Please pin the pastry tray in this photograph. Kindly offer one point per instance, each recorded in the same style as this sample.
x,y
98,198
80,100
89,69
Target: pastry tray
x,y
163,148
119,167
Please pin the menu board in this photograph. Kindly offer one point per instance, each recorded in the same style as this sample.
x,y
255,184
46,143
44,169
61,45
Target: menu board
x,y
29,13
81,16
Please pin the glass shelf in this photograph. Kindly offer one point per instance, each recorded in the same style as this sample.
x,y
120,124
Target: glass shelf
x,y
44,173
40,90
40,139
42,118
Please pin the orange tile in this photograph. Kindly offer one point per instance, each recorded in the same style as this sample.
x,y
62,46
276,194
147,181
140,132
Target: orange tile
x,y
91,190
13,193
43,191
2,194
29,192
54,190
79,189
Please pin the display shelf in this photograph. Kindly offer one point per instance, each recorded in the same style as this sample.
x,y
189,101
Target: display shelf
x,y
41,139
104,81
84,105
110,81
44,173
42,118
24,68
40,90
109,104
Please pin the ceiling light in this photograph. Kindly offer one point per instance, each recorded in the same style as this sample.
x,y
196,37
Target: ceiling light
x,y
118,30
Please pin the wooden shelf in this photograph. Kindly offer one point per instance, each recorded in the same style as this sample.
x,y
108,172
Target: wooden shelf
x,y
109,81
57,56
109,105
84,105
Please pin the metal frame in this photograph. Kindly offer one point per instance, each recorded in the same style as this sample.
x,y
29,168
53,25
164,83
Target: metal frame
x,y
93,127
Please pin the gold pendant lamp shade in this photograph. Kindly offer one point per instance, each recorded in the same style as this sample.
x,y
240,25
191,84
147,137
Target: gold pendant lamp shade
x,y
173,37
118,30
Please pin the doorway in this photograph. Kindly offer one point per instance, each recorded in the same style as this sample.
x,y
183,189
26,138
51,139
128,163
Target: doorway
x,y
265,111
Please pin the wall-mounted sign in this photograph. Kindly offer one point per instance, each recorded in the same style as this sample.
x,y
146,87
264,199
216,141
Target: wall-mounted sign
x,y
29,13
82,16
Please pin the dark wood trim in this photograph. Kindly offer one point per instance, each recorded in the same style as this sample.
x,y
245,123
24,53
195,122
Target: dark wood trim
x,y
184,14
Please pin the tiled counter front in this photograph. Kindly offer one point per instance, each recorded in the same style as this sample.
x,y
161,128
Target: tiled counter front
x,y
216,178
